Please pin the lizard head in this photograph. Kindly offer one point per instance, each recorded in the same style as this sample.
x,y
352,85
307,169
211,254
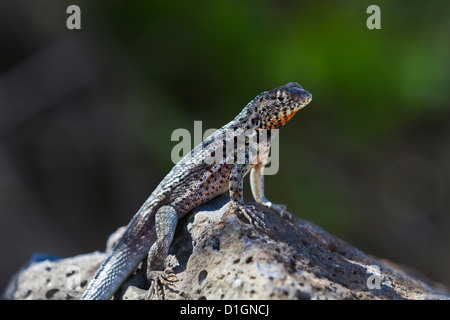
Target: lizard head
x,y
273,109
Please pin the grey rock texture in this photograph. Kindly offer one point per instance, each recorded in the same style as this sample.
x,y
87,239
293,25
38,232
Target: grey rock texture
x,y
216,255
62,279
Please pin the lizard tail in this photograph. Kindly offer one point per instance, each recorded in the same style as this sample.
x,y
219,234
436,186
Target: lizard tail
x,y
131,249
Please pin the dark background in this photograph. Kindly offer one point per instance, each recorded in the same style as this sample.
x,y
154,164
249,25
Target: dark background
x,y
86,116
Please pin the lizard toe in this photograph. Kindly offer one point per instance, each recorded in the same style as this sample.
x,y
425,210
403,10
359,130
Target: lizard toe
x,y
281,210
160,280
250,213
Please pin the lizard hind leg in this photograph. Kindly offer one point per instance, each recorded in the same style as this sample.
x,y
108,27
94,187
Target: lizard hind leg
x,y
166,219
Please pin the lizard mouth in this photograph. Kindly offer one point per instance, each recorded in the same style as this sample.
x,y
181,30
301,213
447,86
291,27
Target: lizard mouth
x,y
300,98
303,97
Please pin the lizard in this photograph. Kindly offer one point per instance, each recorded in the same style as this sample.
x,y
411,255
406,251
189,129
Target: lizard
x,y
194,181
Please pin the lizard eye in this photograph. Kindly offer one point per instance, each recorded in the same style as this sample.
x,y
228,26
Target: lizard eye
x,y
280,98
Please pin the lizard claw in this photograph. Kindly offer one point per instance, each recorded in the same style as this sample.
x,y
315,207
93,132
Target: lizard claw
x,y
281,210
169,278
250,213
159,280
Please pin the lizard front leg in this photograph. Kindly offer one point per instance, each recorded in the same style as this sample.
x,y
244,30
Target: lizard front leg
x,y
237,198
257,186
166,219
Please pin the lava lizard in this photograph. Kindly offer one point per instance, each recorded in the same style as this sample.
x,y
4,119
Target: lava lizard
x,y
193,181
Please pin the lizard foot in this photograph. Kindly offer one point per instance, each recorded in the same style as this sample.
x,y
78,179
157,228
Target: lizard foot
x,y
281,210
250,213
159,281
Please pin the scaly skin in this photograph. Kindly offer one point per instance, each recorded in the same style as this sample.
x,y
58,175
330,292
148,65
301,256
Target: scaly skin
x,y
196,179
